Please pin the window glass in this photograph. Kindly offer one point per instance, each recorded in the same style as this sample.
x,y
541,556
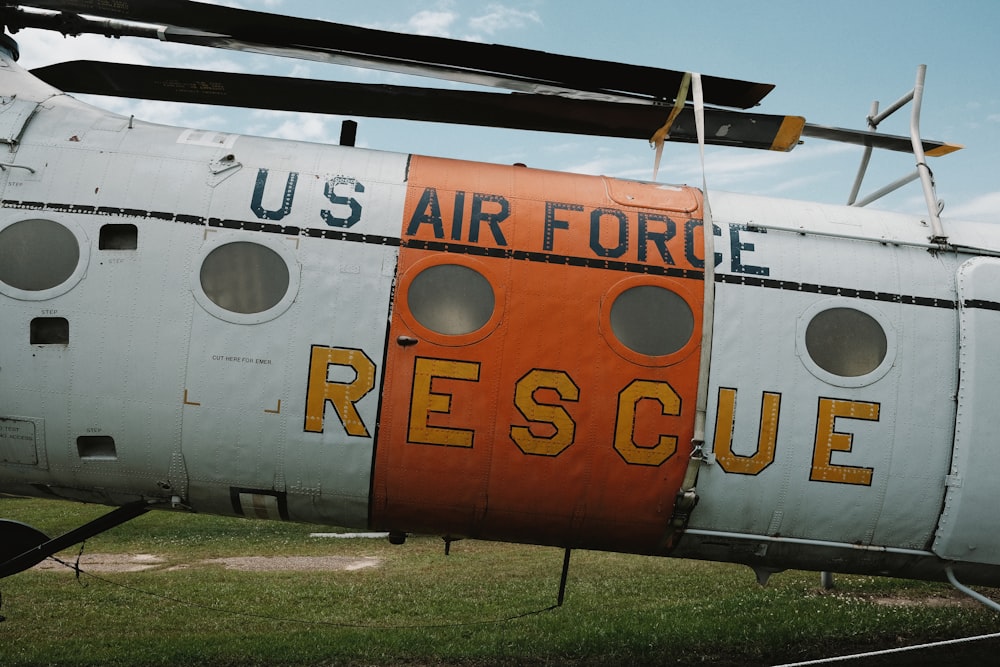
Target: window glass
x,y
652,320
451,299
244,277
845,342
37,255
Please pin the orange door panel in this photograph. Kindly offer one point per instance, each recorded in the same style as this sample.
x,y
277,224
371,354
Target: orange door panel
x,y
543,357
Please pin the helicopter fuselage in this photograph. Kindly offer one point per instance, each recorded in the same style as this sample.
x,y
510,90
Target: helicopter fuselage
x,y
292,331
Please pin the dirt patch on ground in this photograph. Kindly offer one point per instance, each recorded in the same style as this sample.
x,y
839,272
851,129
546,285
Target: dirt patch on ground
x,y
293,563
140,562
106,563
928,601
936,600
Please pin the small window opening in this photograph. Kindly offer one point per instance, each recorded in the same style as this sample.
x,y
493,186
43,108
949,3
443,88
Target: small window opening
x,y
118,237
96,447
37,255
49,331
244,277
652,320
451,299
846,342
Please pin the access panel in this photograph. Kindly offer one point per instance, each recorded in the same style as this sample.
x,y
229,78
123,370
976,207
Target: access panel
x,y
969,528
543,358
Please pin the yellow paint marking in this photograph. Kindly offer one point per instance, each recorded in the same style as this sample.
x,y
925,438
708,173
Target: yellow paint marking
x,y
426,401
628,402
766,439
788,134
829,440
943,149
186,401
342,395
554,416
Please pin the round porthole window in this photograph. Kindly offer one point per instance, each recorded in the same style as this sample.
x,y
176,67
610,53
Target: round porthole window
x,y
845,342
451,299
846,345
37,255
651,320
40,259
246,282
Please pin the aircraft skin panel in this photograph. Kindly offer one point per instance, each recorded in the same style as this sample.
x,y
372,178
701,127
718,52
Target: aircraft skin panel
x,y
307,413
537,424
800,452
107,393
236,412
968,528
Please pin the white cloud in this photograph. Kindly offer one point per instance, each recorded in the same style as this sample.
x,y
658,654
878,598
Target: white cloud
x,y
984,208
610,165
46,47
267,4
297,126
206,117
444,20
43,47
500,17
431,22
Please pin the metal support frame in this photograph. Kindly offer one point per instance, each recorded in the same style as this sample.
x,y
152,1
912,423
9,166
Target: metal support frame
x,y
36,555
982,599
921,172
562,578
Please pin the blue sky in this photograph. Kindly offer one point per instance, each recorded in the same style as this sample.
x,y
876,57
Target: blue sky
x,y
829,61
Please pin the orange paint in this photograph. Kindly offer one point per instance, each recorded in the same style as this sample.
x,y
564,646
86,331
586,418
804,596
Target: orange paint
x,y
562,435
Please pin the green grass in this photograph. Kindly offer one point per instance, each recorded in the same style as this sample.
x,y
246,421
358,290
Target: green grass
x,y
420,607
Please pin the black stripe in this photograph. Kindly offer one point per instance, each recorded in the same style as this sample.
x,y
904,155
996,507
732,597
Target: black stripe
x,y
553,258
245,225
341,235
832,290
457,248
981,303
505,253
374,239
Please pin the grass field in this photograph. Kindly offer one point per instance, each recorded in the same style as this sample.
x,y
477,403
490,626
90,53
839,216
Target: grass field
x,y
416,606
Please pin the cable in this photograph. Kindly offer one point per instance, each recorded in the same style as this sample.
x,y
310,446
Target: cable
x,y
364,626
889,651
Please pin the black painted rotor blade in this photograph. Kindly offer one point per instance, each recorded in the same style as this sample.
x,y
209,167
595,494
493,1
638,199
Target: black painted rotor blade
x,y
524,70
890,142
546,113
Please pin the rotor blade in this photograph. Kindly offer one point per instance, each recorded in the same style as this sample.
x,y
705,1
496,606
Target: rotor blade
x,y
511,110
892,142
520,69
